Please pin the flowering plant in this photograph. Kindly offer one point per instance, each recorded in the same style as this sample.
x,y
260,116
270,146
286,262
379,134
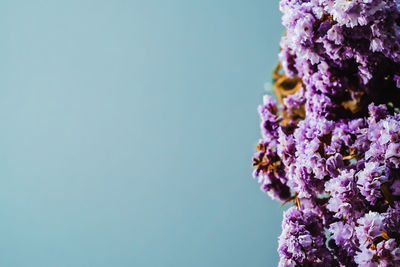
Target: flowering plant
x,y
332,144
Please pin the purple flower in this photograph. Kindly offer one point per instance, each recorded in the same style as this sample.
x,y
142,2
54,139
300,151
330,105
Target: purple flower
x,y
392,154
369,227
392,219
333,146
370,180
335,34
344,201
346,243
302,241
334,164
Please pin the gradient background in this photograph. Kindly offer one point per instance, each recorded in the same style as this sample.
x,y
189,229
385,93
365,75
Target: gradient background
x,y
127,131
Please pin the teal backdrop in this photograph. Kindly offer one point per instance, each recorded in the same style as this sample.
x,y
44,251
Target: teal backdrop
x,y
127,130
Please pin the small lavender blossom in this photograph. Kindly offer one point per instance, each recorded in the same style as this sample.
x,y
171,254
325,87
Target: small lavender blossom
x,y
370,180
343,241
302,241
376,247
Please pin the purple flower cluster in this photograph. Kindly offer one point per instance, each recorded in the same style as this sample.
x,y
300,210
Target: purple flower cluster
x,y
333,146
302,240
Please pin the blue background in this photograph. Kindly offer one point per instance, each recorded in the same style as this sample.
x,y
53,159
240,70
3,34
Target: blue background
x,y
127,131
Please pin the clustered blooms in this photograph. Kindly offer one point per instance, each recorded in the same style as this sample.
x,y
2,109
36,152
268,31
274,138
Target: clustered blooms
x,y
333,146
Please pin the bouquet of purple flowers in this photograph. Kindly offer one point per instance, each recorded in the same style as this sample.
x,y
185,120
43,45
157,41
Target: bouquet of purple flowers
x,y
332,144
